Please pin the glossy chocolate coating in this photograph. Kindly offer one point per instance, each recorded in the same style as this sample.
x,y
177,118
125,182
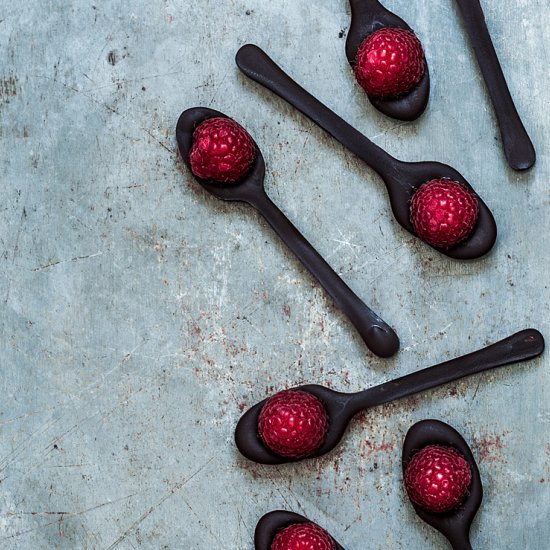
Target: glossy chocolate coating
x,y
341,407
517,145
402,179
270,524
456,523
368,16
379,337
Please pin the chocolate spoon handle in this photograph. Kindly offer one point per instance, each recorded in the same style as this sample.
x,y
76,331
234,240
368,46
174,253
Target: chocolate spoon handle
x,y
377,335
258,66
518,148
460,541
362,8
521,346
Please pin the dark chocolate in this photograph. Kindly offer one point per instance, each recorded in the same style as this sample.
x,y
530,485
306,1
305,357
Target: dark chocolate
x,y
455,524
517,144
341,407
379,337
270,524
368,16
402,179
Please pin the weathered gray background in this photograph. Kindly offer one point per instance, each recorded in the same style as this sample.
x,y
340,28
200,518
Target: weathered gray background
x,y
139,316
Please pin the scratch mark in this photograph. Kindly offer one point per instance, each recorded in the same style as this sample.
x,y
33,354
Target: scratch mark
x,y
16,245
75,259
80,92
129,80
477,388
218,88
61,514
298,162
159,503
159,142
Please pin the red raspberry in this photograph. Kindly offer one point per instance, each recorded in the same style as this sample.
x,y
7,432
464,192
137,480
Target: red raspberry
x,y
303,536
222,150
443,212
293,423
390,62
437,478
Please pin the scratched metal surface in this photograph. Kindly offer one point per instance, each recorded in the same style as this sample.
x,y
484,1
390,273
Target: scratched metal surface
x,y
140,317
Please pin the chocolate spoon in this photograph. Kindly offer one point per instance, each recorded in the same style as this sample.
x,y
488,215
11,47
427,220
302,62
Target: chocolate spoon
x,y
402,179
270,524
341,407
368,16
455,525
377,335
517,145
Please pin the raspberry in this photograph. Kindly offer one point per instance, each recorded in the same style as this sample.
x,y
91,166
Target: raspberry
x,y
293,423
303,536
390,62
437,478
443,212
222,150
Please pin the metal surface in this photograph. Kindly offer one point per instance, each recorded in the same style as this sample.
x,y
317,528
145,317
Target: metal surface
x,y
140,316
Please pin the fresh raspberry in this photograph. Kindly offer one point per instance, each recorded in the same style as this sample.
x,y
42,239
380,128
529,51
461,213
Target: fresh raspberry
x,y
443,212
390,62
222,150
303,536
293,423
437,478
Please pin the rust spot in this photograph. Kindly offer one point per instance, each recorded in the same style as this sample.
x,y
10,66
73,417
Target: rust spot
x,y
383,447
489,448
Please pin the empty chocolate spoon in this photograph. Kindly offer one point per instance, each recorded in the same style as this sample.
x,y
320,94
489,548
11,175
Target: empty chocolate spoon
x,y
368,16
341,407
402,179
455,524
270,524
377,335
517,145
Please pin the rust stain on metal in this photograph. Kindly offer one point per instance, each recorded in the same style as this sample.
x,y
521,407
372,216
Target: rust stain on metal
x,y
489,447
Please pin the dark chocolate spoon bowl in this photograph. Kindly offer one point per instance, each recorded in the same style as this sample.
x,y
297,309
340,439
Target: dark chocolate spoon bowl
x,y
377,334
455,524
402,179
341,407
368,16
270,524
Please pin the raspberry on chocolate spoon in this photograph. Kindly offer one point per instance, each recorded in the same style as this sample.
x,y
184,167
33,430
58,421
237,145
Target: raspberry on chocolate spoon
x,y
443,212
402,179
222,151
293,423
282,530
441,478
388,60
291,426
227,163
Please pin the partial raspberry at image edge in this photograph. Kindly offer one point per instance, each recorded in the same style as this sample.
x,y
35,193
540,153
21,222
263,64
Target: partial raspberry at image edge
x,y
303,536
